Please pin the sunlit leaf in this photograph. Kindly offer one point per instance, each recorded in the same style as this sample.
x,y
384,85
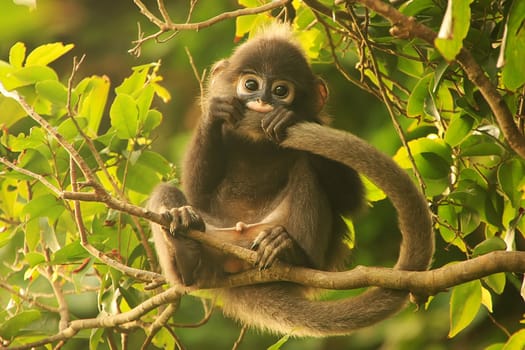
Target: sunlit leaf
x,y
72,252
458,129
17,55
486,299
489,245
464,305
45,54
516,341
93,94
496,282
513,46
18,323
53,91
28,76
511,175
124,116
454,28
152,120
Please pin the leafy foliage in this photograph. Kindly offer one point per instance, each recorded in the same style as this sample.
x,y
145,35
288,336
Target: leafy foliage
x,y
450,143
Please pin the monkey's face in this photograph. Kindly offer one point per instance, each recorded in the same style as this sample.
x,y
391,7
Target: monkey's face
x,y
262,93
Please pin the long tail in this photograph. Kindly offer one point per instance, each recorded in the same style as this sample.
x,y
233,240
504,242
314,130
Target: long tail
x,y
299,316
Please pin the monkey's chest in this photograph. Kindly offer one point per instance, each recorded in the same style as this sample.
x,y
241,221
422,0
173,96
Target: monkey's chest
x,y
247,198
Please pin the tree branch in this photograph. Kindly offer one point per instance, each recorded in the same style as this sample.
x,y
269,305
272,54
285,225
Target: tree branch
x,y
169,296
167,25
409,27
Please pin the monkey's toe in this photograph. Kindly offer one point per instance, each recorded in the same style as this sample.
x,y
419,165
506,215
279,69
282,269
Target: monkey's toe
x,y
270,245
184,219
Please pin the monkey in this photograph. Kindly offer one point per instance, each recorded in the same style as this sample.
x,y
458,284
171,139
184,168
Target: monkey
x,y
263,161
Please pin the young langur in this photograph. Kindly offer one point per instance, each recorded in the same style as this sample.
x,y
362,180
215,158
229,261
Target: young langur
x,y
261,161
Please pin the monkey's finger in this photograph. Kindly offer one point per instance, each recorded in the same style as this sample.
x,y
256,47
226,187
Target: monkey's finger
x,y
263,237
275,124
279,128
273,249
175,220
285,246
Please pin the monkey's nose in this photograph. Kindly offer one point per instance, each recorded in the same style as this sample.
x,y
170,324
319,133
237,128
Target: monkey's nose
x,y
259,106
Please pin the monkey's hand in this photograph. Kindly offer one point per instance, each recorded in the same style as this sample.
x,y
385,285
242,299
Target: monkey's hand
x,y
226,109
275,123
183,219
275,243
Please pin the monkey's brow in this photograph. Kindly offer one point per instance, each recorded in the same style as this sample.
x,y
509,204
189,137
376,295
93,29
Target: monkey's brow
x,y
269,76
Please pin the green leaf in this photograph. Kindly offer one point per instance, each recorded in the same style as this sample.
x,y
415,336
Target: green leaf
x,y
448,214
53,91
496,282
480,145
489,245
28,76
95,339
511,177
152,121
44,206
373,193
164,340
11,111
45,54
35,161
18,323
21,142
72,252
458,129
124,116
69,130
93,94
454,28
417,99
134,83
516,341
17,54
513,46
464,305
33,258
145,172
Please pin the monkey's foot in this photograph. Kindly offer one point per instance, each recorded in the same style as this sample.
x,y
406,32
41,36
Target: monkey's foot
x,y
271,244
183,219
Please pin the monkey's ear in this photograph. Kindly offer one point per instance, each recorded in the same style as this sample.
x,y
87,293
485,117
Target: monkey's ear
x,y
217,69
322,94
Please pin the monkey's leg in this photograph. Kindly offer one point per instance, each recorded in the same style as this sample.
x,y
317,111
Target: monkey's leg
x,y
179,257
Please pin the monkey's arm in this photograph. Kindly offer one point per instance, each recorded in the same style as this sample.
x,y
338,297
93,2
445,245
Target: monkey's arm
x,y
205,160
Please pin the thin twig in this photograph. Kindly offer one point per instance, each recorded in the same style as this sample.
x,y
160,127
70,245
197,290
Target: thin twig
x,y
165,27
240,337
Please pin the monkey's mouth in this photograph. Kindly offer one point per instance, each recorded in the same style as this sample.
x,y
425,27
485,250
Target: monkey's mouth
x,y
259,106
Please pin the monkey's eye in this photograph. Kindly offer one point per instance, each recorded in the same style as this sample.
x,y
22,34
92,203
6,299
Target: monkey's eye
x,y
280,91
284,91
248,84
251,84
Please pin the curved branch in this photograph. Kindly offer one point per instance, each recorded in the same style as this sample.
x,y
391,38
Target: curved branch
x,y
428,282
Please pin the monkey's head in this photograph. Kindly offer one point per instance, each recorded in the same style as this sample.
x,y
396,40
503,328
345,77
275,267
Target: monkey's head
x,y
268,71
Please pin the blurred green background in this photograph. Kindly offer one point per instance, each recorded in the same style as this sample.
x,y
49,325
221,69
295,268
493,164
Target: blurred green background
x,y
104,31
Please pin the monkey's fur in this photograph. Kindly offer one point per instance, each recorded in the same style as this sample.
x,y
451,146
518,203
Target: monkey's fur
x,y
259,156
